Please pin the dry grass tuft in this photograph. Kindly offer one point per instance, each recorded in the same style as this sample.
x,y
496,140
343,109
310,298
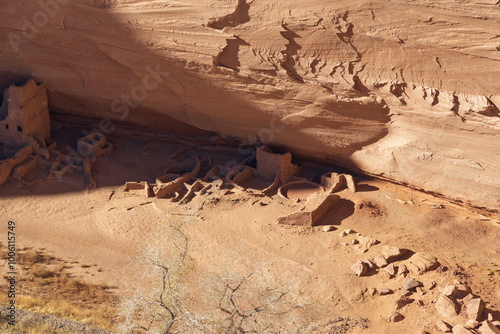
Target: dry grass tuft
x,y
41,271
42,278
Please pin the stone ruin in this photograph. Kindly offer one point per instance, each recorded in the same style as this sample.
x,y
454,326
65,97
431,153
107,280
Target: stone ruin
x,y
93,145
275,174
27,154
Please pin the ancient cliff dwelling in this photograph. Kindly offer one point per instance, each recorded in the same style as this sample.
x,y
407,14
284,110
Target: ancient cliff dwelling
x,y
249,166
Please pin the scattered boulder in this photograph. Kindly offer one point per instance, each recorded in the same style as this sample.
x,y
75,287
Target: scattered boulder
x,y
475,308
328,228
461,329
420,263
379,261
487,327
390,269
360,268
395,317
447,307
406,293
384,291
449,290
402,269
385,275
402,302
391,253
345,233
369,264
472,324
411,283
443,326
365,243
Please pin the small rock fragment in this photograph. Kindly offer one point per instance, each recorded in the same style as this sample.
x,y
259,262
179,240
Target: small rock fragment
x,y
365,243
420,263
359,268
385,275
443,326
475,308
384,291
446,307
410,283
405,293
390,269
328,228
391,253
423,332
487,327
402,269
460,329
472,324
369,264
379,261
354,241
395,317
449,290
343,244
345,232
402,302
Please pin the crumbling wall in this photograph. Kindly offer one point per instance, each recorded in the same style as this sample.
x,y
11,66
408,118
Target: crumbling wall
x,y
27,166
94,145
8,165
316,207
269,164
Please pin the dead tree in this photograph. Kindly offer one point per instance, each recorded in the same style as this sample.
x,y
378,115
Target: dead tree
x,y
250,298
237,298
157,306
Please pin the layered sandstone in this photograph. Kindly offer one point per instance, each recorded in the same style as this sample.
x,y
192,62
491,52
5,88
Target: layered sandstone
x,y
402,89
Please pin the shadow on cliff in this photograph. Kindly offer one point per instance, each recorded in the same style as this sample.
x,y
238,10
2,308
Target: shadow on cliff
x,y
196,106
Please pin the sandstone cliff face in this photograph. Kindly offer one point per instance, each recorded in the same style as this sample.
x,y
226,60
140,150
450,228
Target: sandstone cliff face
x,y
402,89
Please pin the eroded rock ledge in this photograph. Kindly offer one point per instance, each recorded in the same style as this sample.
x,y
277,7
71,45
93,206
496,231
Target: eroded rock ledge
x,y
407,90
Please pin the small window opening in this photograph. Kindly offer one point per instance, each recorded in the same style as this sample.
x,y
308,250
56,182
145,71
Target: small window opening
x,y
19,129
7,126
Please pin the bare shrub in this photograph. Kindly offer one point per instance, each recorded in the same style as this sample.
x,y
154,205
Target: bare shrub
x,y
245,297
238,297
41,271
